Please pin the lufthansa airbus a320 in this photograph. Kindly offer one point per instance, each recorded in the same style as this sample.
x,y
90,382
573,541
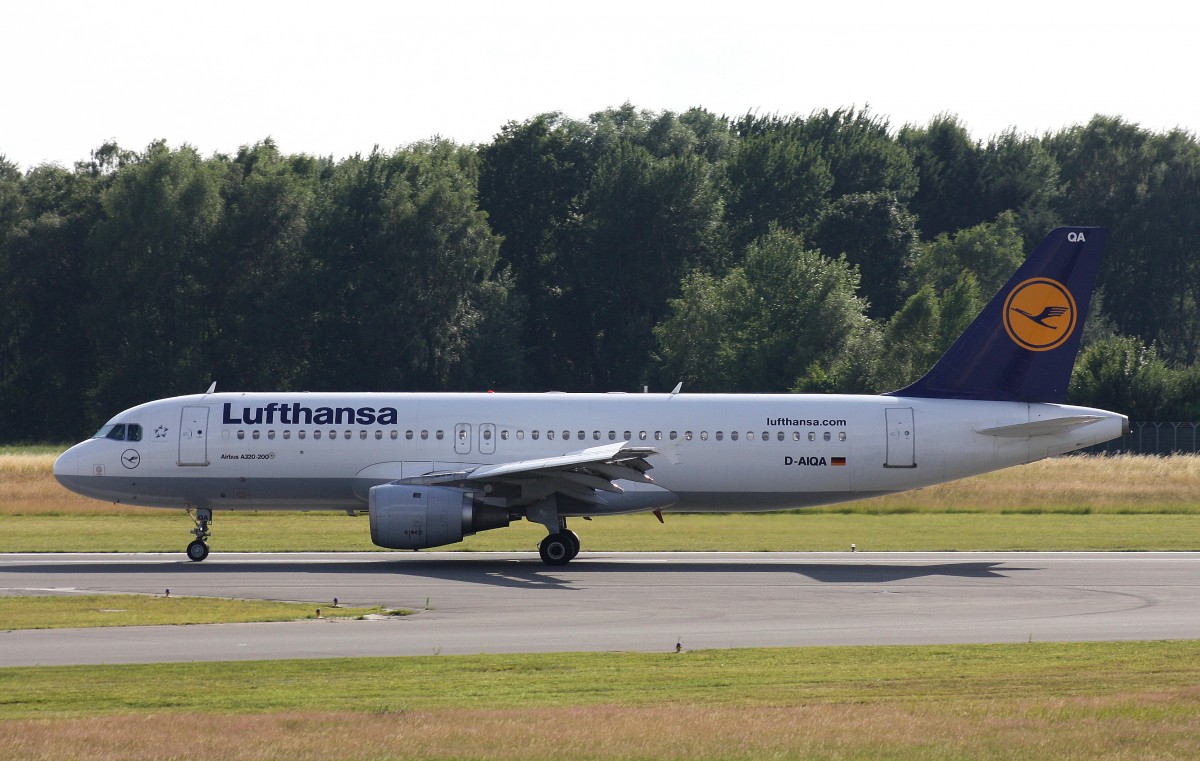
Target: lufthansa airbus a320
x,y
433,468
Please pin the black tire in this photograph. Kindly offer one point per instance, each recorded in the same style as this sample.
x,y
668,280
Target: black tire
x,y
197,551
556,549
574,542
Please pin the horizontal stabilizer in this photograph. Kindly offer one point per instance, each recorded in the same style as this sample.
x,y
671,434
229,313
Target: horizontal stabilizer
x,y
1041,427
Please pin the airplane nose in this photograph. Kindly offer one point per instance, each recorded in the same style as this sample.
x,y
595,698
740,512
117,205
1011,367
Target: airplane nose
x,y
66,465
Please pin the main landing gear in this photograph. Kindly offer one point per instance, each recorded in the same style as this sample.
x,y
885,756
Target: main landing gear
x,y
198,549
559,548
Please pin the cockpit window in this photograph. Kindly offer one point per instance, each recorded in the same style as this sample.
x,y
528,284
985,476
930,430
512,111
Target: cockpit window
x,y
120,432
117,433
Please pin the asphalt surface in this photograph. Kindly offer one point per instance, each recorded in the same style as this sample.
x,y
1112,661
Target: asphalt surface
x,y
511,602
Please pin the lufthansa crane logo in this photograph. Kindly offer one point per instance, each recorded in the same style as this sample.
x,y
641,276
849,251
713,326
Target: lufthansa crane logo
x,y
1040,314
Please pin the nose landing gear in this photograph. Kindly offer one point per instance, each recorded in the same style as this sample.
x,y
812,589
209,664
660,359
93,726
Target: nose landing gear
x,y
198,549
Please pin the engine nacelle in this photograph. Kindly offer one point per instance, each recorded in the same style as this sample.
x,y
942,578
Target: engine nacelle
x,y
416,517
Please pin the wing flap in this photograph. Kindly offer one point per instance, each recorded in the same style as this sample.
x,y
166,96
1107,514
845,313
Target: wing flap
x,y
581,475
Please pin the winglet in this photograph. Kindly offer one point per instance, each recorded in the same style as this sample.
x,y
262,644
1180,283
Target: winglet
x,y
1022,346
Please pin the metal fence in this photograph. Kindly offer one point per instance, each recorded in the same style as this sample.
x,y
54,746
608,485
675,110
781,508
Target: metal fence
x,y
1154,438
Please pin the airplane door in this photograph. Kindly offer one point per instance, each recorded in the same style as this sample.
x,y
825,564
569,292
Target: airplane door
x,y
901,452
487,438
193,436
462,438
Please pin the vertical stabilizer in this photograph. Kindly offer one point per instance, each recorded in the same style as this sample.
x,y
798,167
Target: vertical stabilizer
x,y
1022,347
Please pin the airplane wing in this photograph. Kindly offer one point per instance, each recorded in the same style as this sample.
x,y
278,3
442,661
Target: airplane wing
x,y
577,474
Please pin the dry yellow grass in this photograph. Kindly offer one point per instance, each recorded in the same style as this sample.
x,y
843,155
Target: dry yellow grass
x,y
1087,483
1145,726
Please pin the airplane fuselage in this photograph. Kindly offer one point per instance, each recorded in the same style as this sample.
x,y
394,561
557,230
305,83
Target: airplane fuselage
x,y
736,453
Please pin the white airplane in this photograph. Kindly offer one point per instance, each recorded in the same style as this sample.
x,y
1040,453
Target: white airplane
x,y
430,469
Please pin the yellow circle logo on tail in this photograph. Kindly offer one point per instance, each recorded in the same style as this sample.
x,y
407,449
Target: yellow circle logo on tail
x,y
1039,314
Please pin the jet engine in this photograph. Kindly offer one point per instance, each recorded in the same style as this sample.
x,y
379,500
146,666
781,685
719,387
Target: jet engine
x,y
415,517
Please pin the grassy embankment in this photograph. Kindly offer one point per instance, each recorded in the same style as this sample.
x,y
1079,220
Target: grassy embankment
x,y
1074,503
1037,701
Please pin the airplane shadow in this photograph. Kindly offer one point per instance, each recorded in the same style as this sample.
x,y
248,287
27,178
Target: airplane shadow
x,y
528,573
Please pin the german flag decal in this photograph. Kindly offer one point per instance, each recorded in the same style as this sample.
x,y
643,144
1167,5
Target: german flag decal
x,y
837,460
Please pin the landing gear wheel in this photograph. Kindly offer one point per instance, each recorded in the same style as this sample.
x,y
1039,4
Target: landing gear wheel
x,y
197,550
557,549
574,541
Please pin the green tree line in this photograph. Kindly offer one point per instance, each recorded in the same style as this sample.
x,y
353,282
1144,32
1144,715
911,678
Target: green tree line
x,y
826,252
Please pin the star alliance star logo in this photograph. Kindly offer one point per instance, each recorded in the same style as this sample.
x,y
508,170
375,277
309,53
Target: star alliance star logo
x,y
161,432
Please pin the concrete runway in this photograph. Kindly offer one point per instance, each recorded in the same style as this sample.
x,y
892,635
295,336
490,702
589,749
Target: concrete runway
x,y
511,602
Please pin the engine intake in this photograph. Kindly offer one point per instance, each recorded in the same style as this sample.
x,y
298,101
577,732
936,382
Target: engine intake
x,y
415,517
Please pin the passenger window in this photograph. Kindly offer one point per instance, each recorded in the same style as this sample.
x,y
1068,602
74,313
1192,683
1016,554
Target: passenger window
x,y
255,435
812,435
379,435
487,434
827,436
779,436
316,434
642,436
504,435
301,434
396,435
720,435
424,435
674,435
566,435
462,434
550,435
534,435
582,436
612,435
408,435
628,435
766,435
287,434
332,435
687,435
842,436
271,435
704,435
749,435
362,435
520,435
241,435
441,435
658,435
733,435
595,435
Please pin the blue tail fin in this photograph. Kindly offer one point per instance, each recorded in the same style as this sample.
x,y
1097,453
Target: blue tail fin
x,y
1022,347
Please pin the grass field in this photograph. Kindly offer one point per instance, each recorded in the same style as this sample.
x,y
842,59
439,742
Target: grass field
x,y
1037,701
58,611
1071,503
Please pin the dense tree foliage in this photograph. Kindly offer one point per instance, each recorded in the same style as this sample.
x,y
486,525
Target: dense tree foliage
x,y
760,253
